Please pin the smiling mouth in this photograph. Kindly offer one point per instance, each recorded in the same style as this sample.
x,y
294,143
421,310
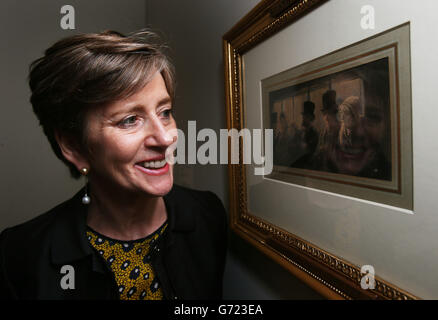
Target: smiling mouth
x,y
155,167
157,164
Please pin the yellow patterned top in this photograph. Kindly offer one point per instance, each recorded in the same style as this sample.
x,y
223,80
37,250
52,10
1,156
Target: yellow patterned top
x,y
130,264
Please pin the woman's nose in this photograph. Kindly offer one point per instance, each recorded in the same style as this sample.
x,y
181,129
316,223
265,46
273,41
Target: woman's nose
x,y
159,134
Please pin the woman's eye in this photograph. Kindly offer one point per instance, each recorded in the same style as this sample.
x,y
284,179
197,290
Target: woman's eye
x,y
128,122
167,113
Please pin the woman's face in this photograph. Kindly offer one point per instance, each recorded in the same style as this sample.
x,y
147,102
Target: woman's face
x,y
127,141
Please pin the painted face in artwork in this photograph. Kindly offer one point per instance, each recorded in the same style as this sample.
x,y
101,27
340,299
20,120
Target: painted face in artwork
x,y
359,136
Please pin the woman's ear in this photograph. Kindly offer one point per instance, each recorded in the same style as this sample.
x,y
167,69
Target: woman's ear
x,y
71,150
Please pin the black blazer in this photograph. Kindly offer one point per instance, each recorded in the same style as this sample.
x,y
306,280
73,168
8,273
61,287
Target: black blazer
x,y
188,259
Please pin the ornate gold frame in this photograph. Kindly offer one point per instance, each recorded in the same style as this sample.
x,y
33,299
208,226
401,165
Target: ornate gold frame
x,y
331,276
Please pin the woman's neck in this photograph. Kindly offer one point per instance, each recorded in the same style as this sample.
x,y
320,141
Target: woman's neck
x,y
123,215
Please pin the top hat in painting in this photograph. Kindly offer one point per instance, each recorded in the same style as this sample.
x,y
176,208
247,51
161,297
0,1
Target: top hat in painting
x,y
329,102
308,108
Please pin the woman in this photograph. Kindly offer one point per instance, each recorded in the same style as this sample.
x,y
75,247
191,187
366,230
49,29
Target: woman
x,y
105,104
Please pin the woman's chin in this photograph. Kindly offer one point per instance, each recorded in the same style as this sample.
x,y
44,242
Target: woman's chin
x,y
156,184
160,188
161,192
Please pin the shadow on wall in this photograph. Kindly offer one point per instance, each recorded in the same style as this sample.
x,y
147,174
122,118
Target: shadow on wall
x,y
249,274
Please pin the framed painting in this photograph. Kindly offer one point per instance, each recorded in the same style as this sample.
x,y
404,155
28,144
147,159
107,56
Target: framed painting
x,y
340,124
339,111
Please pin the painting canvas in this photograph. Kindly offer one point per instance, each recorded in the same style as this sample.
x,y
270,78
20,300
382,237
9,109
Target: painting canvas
x,y
338,123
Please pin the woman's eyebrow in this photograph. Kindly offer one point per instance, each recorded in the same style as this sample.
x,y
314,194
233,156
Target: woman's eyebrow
x,y
133,108
139,107
163,101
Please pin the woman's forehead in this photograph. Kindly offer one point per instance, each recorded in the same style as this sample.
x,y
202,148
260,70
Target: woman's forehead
x,y
152,95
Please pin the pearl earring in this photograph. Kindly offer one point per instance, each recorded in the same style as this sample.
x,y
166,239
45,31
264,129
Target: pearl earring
x,y
85,199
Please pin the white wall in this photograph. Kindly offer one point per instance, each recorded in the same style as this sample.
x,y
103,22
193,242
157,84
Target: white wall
x,y
32,179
